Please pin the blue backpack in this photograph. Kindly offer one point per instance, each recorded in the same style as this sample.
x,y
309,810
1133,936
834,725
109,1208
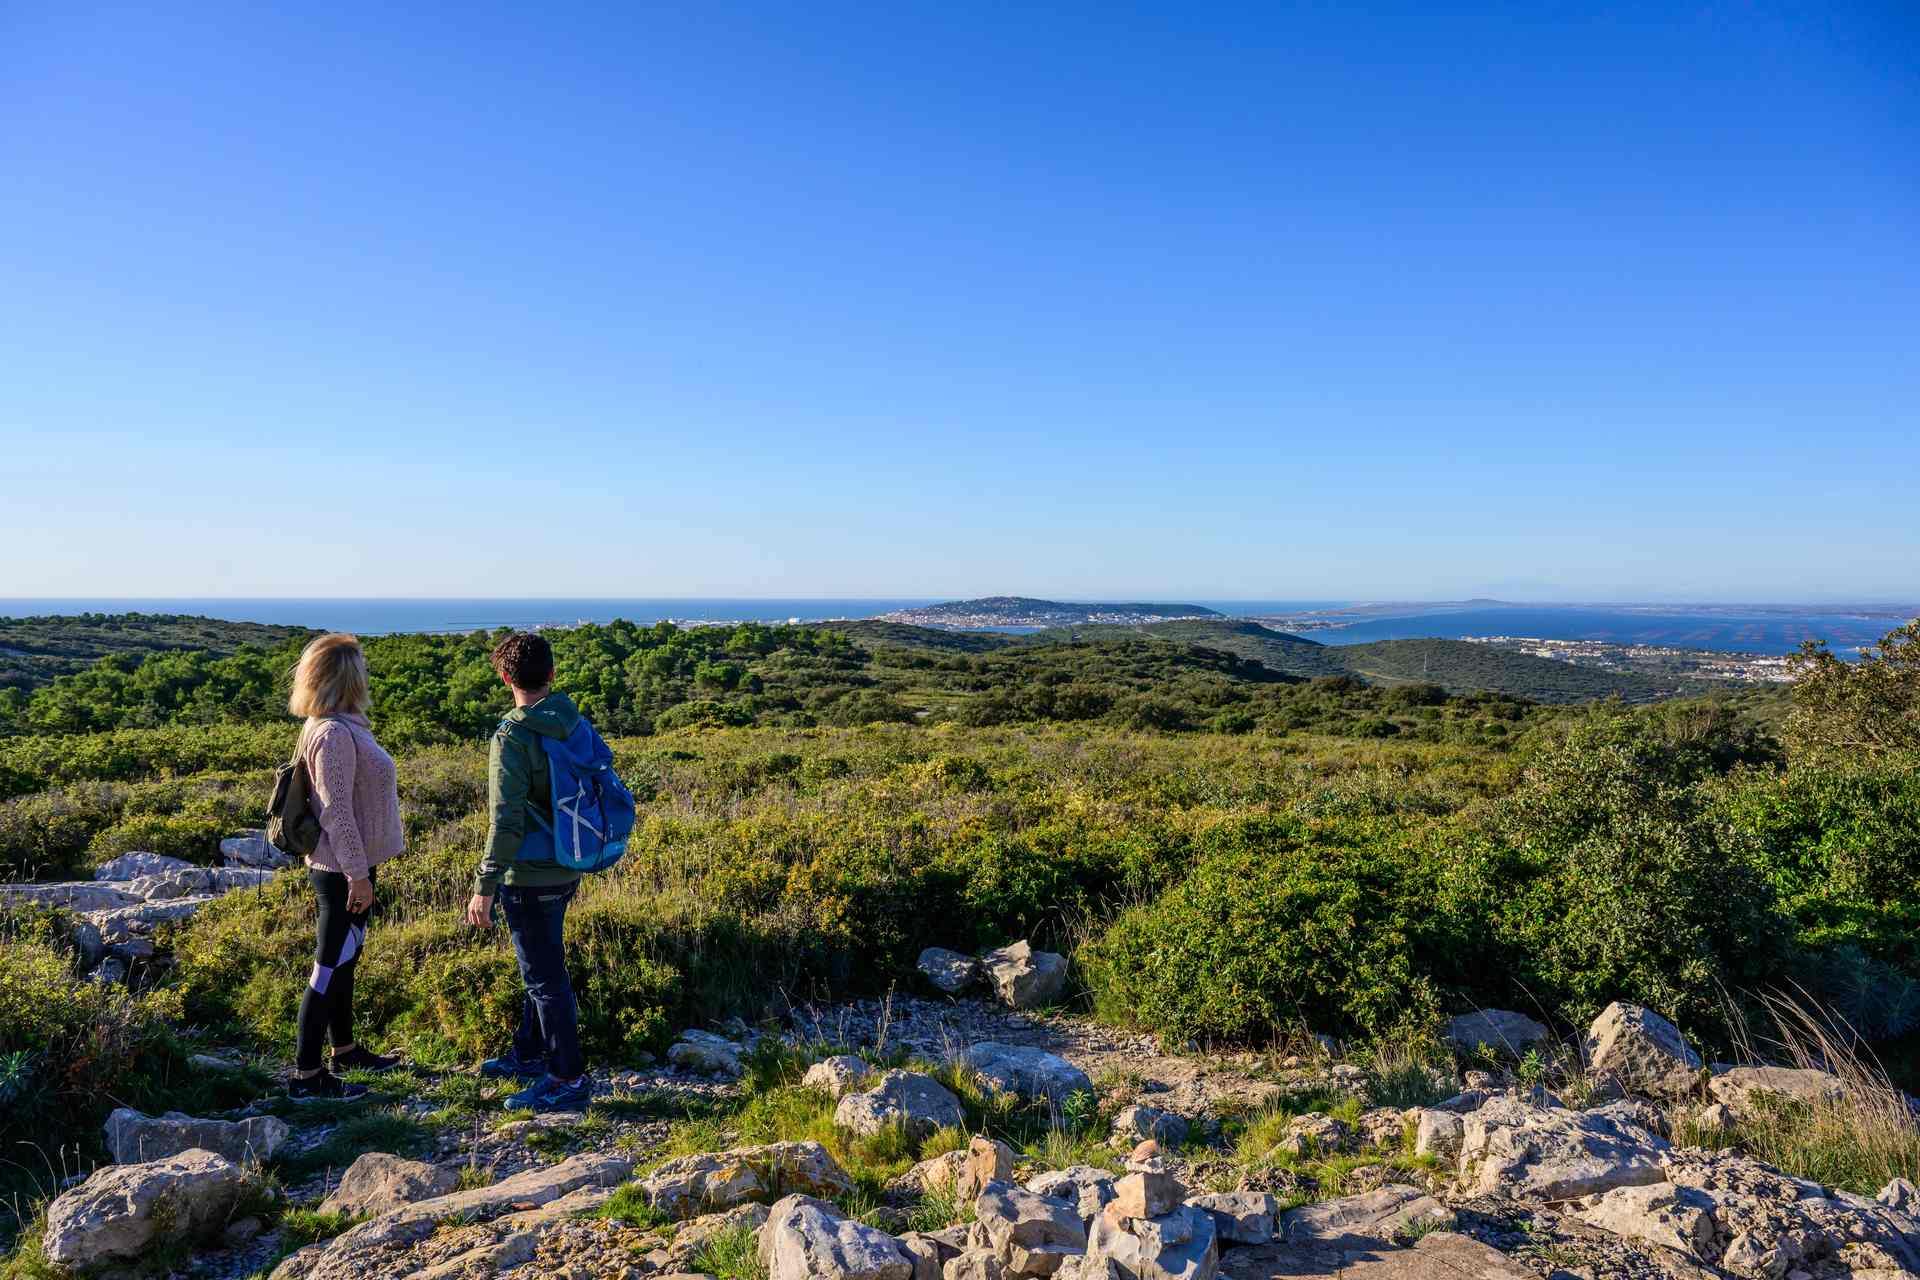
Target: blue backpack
x,y
593,812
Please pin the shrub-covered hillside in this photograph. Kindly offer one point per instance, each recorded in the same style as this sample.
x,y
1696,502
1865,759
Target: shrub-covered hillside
x,y
1301,868
35,650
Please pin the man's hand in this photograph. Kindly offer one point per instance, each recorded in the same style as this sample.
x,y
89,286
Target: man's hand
x,y
359,895
480,911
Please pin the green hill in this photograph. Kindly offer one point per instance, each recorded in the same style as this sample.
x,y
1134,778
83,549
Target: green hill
x,y
34,650
1461,665
868,632
1458,666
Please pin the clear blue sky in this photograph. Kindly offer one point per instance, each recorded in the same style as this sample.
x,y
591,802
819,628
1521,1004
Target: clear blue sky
x,y
1221,301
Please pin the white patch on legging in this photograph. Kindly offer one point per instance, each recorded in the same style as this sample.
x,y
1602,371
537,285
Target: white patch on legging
x,y
322,975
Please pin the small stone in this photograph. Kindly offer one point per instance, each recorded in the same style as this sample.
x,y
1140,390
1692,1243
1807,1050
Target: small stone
x,y
836,1076
1501,1030
1240,1217
1137,1122
1643,1049
950,971
918,1103
1027,1072
1315,1134
704,1053
1024,978
377,1183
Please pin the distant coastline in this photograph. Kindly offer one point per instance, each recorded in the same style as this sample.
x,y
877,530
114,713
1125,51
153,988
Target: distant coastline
x,y
1759,628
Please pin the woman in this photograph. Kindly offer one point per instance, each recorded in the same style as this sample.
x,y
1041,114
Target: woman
x,y
355,797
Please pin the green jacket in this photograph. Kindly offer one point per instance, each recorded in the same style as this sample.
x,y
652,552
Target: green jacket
x,y
518,786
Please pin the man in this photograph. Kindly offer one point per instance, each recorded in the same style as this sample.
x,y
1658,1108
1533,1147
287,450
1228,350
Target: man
x,y
533,889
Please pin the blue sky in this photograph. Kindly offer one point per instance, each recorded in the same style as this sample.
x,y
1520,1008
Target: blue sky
x,y
1335,300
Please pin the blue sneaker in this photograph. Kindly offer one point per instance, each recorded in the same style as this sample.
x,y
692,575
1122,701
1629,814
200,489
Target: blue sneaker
x,y
553,1095
510,1065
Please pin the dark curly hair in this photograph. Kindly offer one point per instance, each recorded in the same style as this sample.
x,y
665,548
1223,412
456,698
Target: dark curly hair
x,y
525,659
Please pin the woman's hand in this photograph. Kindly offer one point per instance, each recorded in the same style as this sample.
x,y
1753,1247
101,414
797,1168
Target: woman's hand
x,y
480,911
359,895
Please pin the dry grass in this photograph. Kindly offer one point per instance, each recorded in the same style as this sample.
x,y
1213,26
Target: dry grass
x,y
1859,1141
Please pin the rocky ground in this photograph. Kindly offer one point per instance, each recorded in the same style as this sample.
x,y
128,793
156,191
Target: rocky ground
x,y
1137,1163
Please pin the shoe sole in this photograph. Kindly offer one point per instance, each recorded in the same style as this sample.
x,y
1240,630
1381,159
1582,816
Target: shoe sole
x,y
327,1097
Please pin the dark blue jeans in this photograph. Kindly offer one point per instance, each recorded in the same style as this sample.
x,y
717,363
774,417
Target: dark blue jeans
x,y
549,1020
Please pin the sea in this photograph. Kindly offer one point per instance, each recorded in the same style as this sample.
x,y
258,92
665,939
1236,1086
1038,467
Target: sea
x,y
1760,629
1769,631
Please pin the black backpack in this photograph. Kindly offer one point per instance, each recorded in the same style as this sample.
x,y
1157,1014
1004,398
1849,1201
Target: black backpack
x,y
291,826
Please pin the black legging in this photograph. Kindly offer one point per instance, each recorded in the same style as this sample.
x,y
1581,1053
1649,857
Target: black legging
x,y
327,1006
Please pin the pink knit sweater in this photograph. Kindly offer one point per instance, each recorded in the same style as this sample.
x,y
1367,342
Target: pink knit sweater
x,y
355,795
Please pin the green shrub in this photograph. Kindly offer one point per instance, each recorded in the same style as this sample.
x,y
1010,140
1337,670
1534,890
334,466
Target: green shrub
x,y
1278,928
1605,876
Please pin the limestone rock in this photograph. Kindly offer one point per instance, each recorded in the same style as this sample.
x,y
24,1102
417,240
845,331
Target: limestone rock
x,y
252,850
948,970
918,1103
1465,1102
1181,1245
836,1076
1145,1195
1679,1218
1439,1255
808,1239
189,882
1437,1133
986,1160
937,1174
1499,1029
1082,1185
377,1183
88,946
1900,1195
1024,978
1365,1221
1137,1123
122,926
929,1253
126,1210
133,1136
131,866
1031,1235
1382,1127
1775,1223
1240,1217
974,1264
707,1054
697,1184
1509,1148
70,895
1028,1072
1316,1134
359,1253
1741,1088
1643,1050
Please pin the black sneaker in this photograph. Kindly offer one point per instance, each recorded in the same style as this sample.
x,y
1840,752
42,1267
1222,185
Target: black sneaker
x,y
324,1085
362,1059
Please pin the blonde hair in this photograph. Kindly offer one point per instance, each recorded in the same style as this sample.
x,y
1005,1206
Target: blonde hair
x,y
330,678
